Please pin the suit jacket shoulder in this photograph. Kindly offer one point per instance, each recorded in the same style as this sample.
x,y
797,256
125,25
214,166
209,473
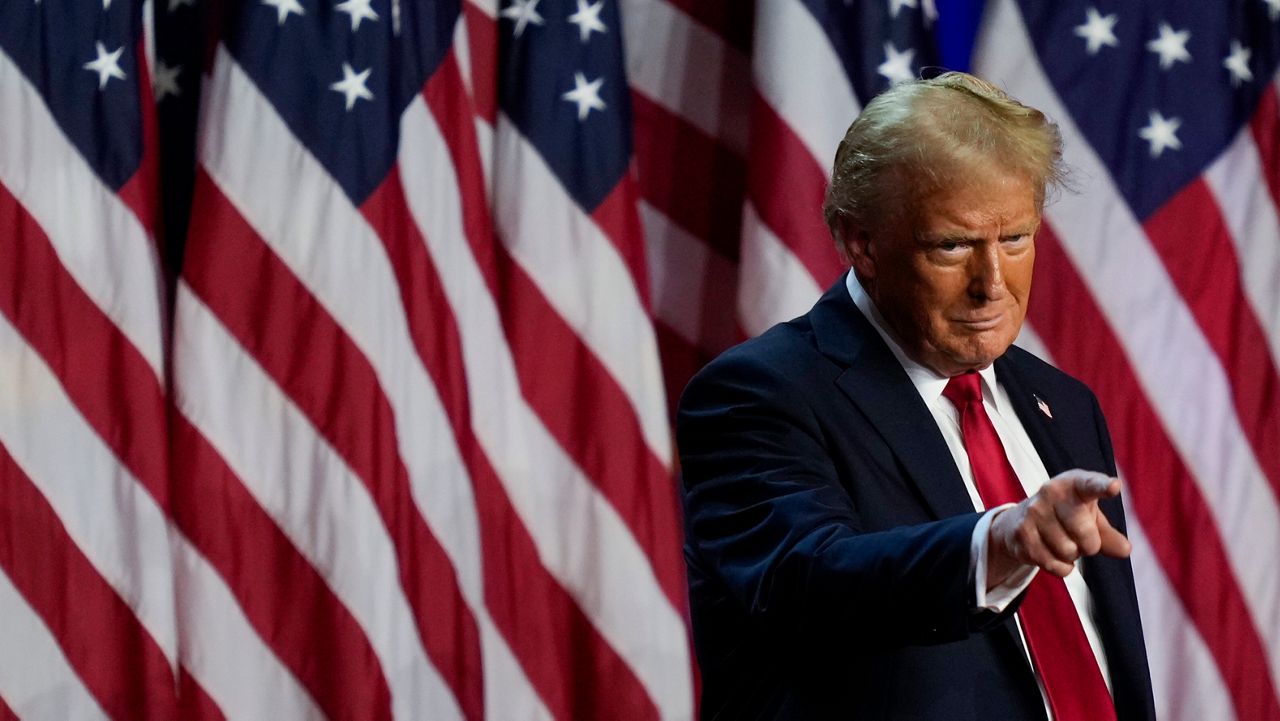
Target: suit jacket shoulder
x,y
782,359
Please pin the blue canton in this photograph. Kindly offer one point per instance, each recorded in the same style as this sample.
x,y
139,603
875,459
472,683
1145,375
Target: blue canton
x,y
82,57
1156,115
342,85
869,35
564,86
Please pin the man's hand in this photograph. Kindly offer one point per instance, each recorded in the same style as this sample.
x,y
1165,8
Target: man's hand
x,y
1051,529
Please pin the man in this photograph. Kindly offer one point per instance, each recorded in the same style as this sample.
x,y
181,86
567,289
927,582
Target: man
x,y
891,511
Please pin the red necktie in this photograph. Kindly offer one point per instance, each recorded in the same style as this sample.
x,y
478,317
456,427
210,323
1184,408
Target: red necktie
x,y
1059,649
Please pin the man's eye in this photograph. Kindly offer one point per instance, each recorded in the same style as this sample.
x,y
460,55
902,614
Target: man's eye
x,y
948,246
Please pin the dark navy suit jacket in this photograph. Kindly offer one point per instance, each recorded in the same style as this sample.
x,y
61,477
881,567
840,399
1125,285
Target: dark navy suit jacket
x,y
828,534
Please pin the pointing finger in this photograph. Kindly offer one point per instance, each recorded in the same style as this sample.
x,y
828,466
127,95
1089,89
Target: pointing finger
x,y
1091,486
1114,543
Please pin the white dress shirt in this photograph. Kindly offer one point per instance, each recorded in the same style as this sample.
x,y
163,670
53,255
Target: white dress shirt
x,y
1022,456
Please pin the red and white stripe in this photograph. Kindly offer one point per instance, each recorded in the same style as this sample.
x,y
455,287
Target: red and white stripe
x,y
1249,213
607,571
90,621
35,675
691,97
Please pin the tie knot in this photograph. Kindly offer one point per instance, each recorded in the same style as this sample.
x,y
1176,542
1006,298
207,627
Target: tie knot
x,y
963,389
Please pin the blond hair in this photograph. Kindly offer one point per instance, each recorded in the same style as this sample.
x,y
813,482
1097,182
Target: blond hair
x,y
922,135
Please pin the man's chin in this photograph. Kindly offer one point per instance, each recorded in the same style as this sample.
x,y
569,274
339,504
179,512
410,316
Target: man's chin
x,y
973,358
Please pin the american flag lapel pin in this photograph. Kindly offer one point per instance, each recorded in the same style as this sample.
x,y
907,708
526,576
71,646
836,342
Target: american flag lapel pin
x,y
1044,407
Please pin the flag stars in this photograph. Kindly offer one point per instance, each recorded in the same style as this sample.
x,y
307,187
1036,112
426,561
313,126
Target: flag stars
x,y
1273,8
1161,133
165,82
284,8
1237,63
353,85
896,67
359,10
588,19
175,4
1098,30
524,13
586,95
106,65
1171,46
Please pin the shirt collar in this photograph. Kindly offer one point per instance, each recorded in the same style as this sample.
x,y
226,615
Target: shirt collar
x,y
928,382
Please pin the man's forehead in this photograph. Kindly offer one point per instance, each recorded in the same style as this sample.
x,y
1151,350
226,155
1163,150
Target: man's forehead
x,y
977,206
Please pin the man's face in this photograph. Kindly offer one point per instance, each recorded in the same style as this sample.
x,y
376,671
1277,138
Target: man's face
x,y
953,278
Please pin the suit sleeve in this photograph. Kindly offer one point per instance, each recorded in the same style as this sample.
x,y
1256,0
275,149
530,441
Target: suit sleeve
x,y
768,517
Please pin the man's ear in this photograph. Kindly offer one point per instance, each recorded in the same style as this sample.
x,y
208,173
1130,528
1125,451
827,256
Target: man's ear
x,y
858,249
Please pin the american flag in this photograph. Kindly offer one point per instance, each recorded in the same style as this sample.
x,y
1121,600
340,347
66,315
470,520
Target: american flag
x,y
415,376
88,622
392,439
1159,285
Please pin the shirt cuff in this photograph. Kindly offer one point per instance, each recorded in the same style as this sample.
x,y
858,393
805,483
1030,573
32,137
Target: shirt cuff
x,y
998,597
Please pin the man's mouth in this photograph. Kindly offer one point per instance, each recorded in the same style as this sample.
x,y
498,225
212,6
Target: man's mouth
x,y
981,323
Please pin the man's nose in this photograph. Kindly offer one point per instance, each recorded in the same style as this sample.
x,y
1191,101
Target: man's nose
x,y
987,272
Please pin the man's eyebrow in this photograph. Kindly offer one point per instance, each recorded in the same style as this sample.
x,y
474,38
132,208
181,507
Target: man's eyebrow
x,y
946,237
1026,229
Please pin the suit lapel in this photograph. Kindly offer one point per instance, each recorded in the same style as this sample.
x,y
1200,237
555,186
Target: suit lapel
x,y
1043,429
876,383
1039,425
